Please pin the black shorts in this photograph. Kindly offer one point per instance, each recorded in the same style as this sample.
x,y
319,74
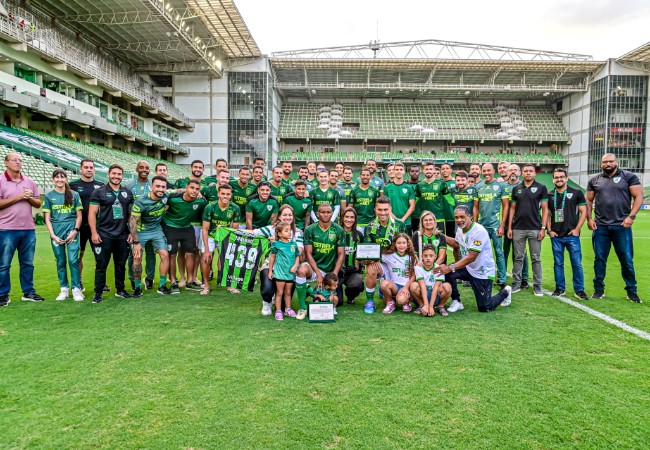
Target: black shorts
x,y
181,237
84,236
284,281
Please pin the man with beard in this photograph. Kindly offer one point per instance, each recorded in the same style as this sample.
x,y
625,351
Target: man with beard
x,y
259,162
145,224
431,193
334,184
311,177
300,203
325,194
287,168
363,198
211,192
493,204
261,210
346,185
85,186
450,225
611,193
526,226
503,168
464,194
140,187
241,190
402,196
375,181
219,166
567,211
161,171
279,188
339,166
475,169
110,232
196,174
414,180
514,174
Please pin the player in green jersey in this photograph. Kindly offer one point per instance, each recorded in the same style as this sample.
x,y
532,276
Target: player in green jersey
x,y
463,194
196,169
139,187
363,199
493,203
219,166
325,252
222,213
279,188
432,193
145,223
346,185
287,168
62,210
258,175
325,194
261,210
182,211
241,190
401,195
211,191
448,204
312,172
300,203
375,181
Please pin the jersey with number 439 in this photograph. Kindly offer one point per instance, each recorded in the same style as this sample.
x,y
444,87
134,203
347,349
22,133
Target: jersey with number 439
x,y
240,255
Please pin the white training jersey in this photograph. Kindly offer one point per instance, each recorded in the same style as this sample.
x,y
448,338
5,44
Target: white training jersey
x,y
476,239
395,268
428,276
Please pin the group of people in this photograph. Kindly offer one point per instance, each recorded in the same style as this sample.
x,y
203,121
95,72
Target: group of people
x,y
314,224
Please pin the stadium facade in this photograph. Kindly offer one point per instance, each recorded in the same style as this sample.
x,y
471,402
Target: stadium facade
x,y
180,80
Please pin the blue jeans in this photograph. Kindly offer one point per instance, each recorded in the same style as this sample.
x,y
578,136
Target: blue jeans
x,y
499,258
602,240
572,245
25,242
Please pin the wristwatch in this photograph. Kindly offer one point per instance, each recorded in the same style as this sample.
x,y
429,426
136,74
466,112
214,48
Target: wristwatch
x,y
453,269
632,216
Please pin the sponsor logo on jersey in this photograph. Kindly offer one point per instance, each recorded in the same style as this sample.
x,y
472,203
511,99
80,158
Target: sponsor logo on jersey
x,y
477,243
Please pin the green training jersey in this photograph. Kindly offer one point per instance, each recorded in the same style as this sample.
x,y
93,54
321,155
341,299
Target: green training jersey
x,y
449,200
432,197
279,192
464,197
489,203
375,182
364,203
240,195
376,233
325,244
138,189
330,196
400,196
182,214
220,217
150,212
285,257
60,213
240,256
302,208
262,211
210,193
182,183
347,189
212,179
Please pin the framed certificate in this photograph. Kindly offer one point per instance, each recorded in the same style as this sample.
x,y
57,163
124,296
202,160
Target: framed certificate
x,y
369,252
321,312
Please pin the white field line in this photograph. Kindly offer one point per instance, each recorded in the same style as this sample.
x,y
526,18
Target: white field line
x,y
617,323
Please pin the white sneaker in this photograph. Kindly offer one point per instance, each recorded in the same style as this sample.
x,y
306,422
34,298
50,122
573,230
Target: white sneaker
x,y
63,294
77,295
266,309
335,312
456,305
508,299
302,313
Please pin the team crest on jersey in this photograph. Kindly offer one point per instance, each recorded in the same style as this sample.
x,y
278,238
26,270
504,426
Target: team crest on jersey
x,y
123,194
332,236
569,195
617,179
477,243
195,207
495,187
304,206
269,207
164,200
533,190
96,186
436,243
404,190
229,214
329,195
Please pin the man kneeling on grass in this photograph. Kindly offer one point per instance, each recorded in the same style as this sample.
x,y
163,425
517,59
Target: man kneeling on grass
x,y
476,263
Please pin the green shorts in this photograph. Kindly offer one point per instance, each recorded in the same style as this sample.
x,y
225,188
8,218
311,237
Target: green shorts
x,y
157,239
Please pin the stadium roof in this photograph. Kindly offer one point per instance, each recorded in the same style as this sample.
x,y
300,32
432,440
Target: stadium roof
x,y
161,35
638,58
429,70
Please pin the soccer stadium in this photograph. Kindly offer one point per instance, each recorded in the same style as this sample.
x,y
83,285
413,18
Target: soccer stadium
x,y
177,81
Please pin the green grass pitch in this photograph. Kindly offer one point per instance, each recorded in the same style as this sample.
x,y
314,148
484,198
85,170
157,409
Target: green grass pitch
x,y
188,371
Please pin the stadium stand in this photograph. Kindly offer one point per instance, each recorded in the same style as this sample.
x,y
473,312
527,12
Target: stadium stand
x,y
37,169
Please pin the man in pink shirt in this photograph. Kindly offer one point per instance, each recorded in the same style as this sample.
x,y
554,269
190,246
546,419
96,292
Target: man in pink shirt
x,y
18,194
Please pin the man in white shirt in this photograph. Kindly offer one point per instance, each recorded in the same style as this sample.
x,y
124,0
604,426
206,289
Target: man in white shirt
x,y
476,264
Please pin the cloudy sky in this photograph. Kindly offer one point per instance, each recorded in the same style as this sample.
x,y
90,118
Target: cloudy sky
x,y
601,28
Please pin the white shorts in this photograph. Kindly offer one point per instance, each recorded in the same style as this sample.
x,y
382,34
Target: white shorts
x,y
242,226
198,235
313,274
210,245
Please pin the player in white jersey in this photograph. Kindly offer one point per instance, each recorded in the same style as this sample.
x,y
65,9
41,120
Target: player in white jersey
x,y
476,264
397,269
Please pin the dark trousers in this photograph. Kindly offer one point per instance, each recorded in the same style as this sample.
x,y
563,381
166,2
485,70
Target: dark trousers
x,y
353,283
450,228
415,224
621,238
485,301
119,249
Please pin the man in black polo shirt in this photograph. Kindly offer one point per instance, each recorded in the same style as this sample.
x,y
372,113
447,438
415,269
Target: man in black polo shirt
x,y
108,217
610,194
85,186
567,211
526,225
